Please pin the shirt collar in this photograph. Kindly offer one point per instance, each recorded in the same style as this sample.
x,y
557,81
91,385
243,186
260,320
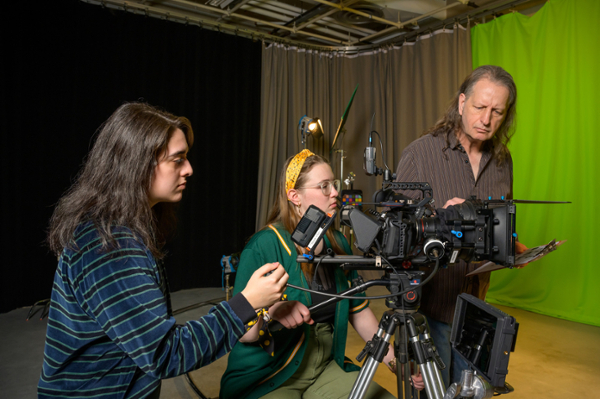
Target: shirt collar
x,y
454,144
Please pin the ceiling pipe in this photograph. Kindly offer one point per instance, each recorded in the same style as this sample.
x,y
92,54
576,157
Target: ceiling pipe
x,y
333,11
341,7
322,16
316,10
241,16
271,14
237,6
127,5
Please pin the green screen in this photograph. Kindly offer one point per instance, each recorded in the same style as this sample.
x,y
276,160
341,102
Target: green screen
x,y
554,57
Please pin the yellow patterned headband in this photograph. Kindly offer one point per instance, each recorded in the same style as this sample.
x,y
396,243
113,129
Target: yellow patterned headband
x,y
293,169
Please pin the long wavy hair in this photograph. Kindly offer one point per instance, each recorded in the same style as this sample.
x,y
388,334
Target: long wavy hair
x,y
113,185
284,211
451,122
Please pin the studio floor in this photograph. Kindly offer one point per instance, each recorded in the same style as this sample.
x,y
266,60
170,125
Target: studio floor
x,y
553,358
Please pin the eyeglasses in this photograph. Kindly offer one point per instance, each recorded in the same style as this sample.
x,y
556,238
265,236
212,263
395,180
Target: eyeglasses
x,y
326,186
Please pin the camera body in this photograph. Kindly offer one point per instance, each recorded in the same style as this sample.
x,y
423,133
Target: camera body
x,y
410,230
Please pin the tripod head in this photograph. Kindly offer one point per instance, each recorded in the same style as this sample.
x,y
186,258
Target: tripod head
x,y
401,281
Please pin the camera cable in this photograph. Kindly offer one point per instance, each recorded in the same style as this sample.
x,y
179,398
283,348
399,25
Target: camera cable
x,y
434,271
382,150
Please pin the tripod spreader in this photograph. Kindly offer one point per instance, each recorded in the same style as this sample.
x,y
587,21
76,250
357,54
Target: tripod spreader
x,y
378,346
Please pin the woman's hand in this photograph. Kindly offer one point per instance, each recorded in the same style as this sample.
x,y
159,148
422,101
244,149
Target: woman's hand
x,y
264,290
417,381
390,360
290,314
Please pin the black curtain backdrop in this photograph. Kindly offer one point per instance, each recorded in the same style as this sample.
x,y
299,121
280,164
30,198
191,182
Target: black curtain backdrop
x,y
66,67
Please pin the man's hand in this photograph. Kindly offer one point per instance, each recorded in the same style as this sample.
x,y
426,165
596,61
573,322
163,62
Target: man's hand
x,y
453,201
290,314
262,291
519,249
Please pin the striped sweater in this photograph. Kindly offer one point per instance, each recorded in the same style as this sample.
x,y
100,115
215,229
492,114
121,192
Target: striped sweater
x,y
109,334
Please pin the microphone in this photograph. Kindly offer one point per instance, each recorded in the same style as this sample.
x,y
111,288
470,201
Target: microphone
x,y
369,158
369,161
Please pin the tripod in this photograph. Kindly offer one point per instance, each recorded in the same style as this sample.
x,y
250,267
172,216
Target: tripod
x,y
404,321
408,325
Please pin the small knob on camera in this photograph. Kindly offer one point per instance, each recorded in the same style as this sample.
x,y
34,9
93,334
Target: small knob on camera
x,y
434,249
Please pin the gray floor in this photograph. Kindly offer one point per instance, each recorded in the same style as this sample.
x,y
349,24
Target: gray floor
x,y
553,359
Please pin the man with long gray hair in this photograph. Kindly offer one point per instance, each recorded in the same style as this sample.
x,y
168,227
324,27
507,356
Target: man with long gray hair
x,y
464,154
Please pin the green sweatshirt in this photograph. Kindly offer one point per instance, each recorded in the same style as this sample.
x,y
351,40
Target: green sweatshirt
x,y
251,372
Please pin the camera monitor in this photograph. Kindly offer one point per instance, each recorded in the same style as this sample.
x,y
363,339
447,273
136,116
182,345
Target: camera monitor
x,y
312,227
484,336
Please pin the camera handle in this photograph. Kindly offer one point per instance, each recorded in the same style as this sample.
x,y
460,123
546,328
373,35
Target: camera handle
x,y
407,327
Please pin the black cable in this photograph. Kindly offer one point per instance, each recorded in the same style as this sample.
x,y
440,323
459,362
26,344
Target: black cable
x,y
314,279
386,261
194,387
43,306
185,309
382,151
435,270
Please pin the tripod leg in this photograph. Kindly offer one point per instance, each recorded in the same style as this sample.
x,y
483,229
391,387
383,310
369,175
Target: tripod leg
x,y
375,351
435,365
404,387
431,374
365,376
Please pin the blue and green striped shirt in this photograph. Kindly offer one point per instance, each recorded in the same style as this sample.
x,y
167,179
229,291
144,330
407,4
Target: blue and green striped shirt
x,y
109,334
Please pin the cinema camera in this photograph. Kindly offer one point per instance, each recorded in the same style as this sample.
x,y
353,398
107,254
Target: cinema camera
x,y
408,235
410,230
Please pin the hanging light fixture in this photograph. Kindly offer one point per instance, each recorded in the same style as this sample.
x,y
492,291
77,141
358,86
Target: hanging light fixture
x,y
310,127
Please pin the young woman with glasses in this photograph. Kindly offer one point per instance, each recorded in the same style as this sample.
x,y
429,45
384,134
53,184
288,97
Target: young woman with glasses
x,y
305,358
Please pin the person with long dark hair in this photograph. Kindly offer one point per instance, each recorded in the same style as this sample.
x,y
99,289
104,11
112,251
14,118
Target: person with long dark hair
x,y
306,358
110,332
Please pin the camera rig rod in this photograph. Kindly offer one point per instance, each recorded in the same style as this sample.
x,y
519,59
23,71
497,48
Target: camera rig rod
x,y
360,287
